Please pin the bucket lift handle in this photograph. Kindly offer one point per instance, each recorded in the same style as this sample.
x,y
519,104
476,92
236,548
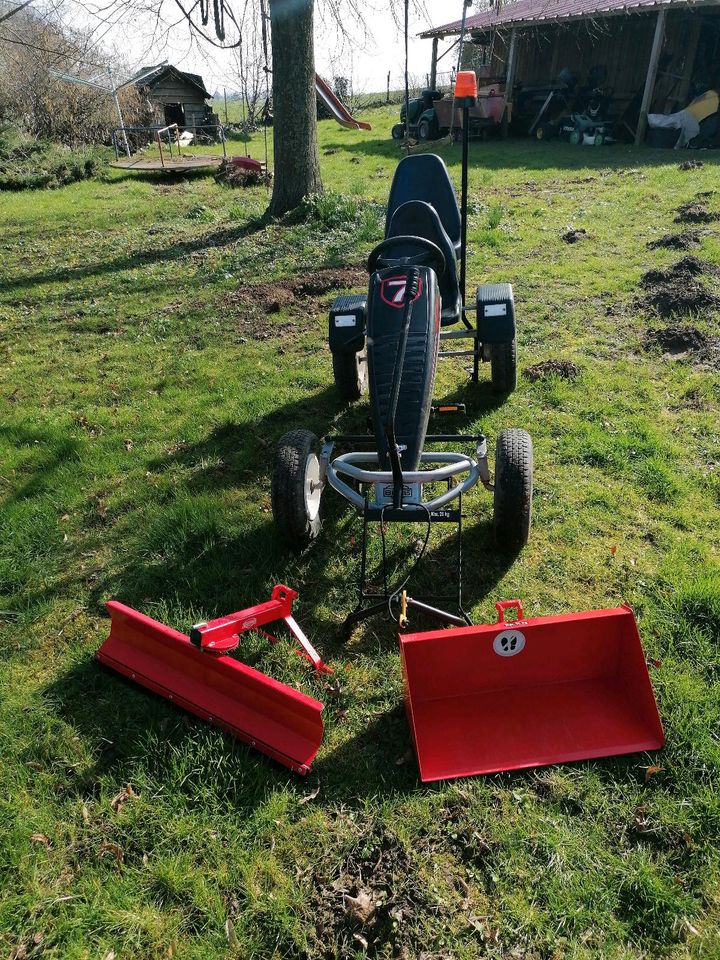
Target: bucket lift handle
x,y
220,636
502,605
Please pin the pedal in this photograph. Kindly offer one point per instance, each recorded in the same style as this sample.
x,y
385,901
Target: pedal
x,y
451,408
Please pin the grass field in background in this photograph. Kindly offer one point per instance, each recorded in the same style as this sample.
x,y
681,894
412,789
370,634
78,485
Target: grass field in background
x,y
144,381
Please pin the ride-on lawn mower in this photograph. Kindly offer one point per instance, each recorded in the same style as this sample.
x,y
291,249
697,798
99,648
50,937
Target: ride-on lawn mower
x,y
390,341
422,121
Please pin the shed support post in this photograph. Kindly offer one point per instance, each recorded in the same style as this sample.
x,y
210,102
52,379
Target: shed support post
x,y
651,77
509,81
433,64
691,55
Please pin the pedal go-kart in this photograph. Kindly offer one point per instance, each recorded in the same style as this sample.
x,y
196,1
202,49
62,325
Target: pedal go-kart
x,y
389,343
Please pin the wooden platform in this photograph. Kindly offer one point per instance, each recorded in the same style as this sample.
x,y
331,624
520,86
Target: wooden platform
x,y
182,165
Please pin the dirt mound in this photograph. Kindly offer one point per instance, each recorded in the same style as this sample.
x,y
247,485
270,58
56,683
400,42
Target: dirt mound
x,y
691,165
696,211
370,900
259,302
678,340
573,234
232,175
677,241
564,369
682,294
689,266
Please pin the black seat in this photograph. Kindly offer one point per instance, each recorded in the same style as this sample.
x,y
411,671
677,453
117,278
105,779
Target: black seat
x,y
424,176
419,219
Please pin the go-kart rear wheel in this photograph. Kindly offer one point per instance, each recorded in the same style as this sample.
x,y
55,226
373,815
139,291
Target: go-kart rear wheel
x,y
513,489
297,488
503,366
350,373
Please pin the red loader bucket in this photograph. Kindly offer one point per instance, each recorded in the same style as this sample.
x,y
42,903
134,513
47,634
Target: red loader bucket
x,y
528,693
281,722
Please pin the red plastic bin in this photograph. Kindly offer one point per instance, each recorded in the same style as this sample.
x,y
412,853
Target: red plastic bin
x,y
528,693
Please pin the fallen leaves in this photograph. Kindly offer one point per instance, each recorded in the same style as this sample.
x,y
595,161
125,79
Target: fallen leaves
x,y
231,935
641,821
360,908
113,849
652,771
28,948
120,799
309,796
40,838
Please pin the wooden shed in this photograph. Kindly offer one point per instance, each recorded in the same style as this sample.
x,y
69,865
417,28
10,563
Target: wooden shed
x,y
176,96
652,50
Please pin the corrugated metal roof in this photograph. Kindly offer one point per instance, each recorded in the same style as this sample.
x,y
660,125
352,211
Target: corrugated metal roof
x,y
538,11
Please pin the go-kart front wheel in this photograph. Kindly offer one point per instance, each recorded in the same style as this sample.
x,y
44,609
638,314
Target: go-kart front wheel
x,y
297,488
513,489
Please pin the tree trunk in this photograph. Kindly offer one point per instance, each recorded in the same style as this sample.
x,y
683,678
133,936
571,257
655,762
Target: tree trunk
x,y
297,167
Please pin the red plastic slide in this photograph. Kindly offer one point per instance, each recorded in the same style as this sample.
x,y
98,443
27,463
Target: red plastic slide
x,y
338,109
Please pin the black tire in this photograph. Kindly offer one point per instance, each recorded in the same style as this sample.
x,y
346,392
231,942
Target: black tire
x,y
424,130
512,514
295,521
398,131
544,131
503,366
350,373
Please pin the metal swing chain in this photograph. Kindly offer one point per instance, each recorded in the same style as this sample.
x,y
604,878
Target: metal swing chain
x,y
264,19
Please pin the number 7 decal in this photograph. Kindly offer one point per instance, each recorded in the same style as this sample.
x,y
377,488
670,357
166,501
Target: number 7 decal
x,y
392,291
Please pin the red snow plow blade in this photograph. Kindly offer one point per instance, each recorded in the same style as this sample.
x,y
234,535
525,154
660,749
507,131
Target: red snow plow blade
x,y
528,693
194,673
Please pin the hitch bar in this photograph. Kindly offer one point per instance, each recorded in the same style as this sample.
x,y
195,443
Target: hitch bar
x,y
218,637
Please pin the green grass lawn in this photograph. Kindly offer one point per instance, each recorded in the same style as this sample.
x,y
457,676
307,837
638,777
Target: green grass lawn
x,y
142,390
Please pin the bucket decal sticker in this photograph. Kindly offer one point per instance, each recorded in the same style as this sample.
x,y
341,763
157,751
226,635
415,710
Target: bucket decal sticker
x,y
509,643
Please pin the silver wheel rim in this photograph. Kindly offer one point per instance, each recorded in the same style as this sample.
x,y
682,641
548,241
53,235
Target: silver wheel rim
x,y
313,487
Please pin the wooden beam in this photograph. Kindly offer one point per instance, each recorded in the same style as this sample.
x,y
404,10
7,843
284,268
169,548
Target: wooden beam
x,y
433,64
651,77
690,55
509,81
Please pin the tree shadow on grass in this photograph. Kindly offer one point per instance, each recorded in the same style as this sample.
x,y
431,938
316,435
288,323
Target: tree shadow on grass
x,y
136,735
140,258
51,451
516,153
128,729
158,178
191,555
184,559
